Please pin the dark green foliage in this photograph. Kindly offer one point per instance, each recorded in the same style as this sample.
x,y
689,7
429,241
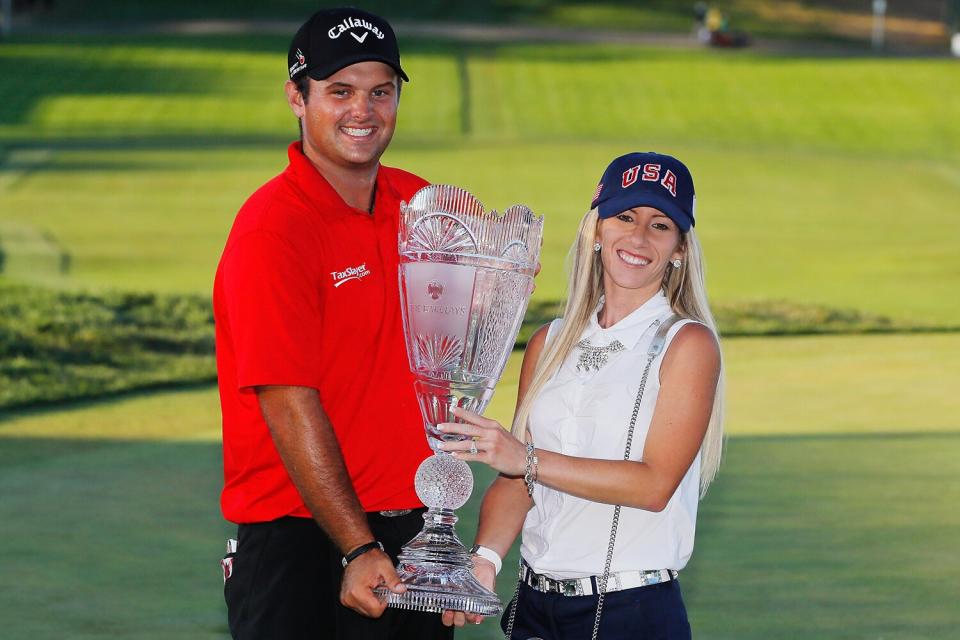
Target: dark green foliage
x,y
762,318
57,345
781,317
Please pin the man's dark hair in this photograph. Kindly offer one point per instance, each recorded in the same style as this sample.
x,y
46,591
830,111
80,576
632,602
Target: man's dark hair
x,y
303,86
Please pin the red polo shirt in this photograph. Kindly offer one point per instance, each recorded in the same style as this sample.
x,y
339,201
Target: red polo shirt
x,y
306,294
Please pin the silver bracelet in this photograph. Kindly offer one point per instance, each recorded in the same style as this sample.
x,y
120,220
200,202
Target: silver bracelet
x,y
530,472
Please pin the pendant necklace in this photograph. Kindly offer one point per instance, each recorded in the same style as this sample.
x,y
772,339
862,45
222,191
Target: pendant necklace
x,y
592,357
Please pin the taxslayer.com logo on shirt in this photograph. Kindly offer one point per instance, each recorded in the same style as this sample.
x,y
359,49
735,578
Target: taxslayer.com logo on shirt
x,y
350,273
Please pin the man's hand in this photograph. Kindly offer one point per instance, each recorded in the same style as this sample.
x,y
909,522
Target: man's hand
x,y
486,574
362,576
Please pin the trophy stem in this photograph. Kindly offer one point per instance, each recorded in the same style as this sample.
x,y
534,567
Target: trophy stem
x,y
440,519
437,543
435,566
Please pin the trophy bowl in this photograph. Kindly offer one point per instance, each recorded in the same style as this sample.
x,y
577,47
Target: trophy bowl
x,y
465,279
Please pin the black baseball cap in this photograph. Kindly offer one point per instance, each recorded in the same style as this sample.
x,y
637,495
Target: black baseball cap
x,y
336,38
647,179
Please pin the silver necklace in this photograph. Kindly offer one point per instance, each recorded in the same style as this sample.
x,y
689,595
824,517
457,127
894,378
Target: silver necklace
x,y
592,357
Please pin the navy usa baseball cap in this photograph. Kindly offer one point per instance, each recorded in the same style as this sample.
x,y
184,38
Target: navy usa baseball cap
x,y
647,179
336,38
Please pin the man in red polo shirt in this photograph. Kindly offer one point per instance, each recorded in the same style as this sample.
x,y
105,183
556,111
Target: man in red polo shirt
x,y
322,434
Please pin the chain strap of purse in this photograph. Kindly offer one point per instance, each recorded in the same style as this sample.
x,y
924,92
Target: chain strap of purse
x,y
655,349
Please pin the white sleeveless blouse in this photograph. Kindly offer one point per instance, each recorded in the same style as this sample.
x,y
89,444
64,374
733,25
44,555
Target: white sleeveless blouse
x,y
586,414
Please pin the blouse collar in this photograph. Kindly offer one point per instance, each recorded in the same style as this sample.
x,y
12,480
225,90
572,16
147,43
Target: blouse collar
x,y
629,330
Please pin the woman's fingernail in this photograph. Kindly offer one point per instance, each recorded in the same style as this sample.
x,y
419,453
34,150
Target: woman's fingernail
x,y
440,427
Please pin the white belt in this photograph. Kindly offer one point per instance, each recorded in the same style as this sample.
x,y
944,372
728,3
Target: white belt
x,y
591,584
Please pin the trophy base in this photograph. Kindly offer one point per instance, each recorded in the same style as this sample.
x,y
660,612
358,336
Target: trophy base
x,y
435,566
438,588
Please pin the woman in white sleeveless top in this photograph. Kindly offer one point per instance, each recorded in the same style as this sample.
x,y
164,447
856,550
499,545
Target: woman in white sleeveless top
x,y
636,285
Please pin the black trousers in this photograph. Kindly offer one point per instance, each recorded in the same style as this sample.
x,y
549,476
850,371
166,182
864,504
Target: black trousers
x,y
656,612
285,585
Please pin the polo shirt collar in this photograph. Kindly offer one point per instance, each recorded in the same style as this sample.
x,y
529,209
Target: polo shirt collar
x,y
629,330
321,191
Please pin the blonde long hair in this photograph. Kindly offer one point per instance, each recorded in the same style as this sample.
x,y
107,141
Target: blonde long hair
x,y
684,288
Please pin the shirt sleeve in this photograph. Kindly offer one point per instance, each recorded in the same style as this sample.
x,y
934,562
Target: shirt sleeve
x,y
273,312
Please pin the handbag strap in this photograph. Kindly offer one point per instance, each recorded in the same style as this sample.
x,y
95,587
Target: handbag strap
x,y
655,349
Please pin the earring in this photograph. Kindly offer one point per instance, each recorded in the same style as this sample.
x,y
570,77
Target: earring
x,y
676,264
596,247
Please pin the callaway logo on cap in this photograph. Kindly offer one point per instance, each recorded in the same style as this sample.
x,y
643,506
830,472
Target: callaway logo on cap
x,y
336,38
647,179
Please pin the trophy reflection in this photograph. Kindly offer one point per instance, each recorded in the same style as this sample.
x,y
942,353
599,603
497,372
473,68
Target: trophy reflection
x,y
465,280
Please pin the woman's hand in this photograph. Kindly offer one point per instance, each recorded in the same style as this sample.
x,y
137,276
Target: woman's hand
x,y
486,574
495,445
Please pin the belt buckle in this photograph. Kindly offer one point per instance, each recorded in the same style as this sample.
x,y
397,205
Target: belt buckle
x,y
655,577
572,588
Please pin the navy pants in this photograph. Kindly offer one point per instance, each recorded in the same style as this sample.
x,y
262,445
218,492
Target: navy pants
x,y
644,613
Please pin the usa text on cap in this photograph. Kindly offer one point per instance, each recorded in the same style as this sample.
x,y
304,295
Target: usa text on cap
x,y
647,179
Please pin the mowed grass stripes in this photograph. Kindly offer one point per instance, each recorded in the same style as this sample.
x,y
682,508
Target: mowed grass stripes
x,y
200,89
815,526
831,181
232,86
839,538
851,105
878,235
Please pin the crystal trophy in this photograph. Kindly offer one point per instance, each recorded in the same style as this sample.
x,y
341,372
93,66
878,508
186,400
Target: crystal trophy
x,y
465,280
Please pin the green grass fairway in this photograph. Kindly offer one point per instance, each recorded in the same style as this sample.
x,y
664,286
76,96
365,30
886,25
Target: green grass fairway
x,y
829,385
815,527
837,537
821,180
831,181
858,384
784,387
111,539
157,219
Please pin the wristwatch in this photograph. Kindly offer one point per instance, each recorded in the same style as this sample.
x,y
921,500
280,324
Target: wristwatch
x,y
488,554
359,551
